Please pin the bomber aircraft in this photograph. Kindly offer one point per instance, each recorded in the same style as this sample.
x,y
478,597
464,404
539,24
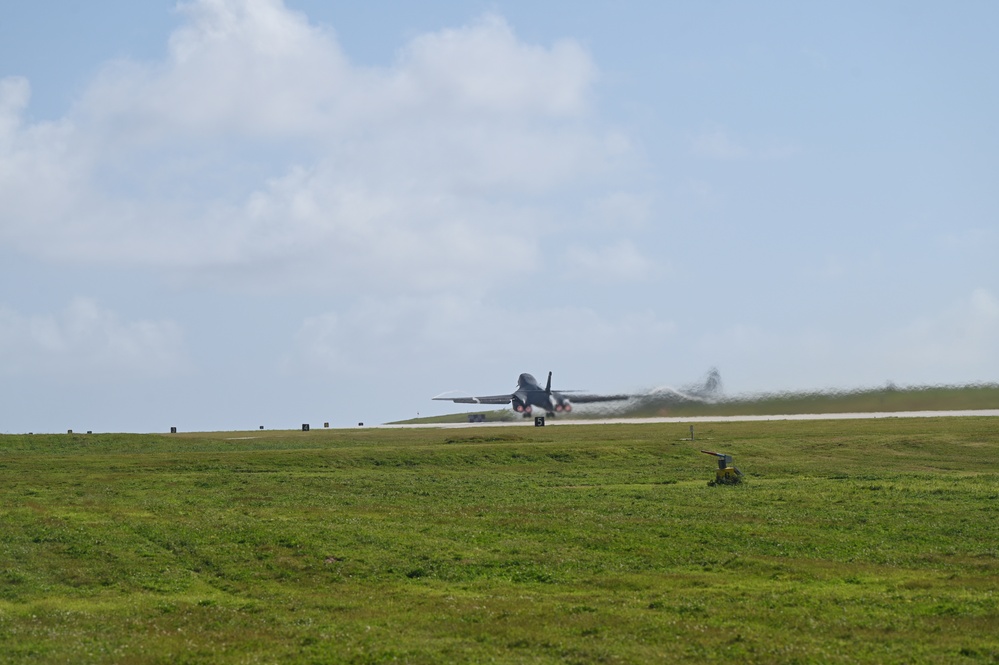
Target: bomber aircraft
x,y
530,394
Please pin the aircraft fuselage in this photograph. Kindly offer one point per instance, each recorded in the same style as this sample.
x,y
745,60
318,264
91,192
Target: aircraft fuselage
x,y
530,394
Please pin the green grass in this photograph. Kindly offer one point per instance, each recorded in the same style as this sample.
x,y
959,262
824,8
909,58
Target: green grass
x,y
493,416
851,541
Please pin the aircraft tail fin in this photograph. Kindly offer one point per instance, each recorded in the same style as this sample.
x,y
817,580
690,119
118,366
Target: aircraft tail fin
x,y
548,386
712,383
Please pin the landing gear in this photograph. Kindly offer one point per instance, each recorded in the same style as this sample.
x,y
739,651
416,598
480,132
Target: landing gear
x,y
550,414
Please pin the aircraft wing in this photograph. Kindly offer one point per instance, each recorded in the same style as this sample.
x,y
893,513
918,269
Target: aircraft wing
x,y
488,399
576,398
585,399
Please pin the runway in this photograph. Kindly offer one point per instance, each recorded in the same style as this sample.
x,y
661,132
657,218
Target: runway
x,y
529,422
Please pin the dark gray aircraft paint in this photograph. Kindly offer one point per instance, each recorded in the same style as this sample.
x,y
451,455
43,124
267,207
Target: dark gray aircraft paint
x,y
530,394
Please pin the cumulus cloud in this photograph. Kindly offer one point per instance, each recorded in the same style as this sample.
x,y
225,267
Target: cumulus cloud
x,y
87,338
14,94
256,142
485,68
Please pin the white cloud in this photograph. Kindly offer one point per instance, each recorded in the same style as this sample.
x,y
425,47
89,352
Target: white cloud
x,y
14,95
237,67
86,338
257,143
484,68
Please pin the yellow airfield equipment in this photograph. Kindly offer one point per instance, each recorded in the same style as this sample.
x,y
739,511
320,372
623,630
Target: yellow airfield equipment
x,y
726,473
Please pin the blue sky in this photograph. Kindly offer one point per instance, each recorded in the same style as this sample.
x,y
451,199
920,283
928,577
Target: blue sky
x,y
224,214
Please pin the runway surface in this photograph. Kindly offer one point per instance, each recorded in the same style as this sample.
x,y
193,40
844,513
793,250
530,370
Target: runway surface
x,y
529,422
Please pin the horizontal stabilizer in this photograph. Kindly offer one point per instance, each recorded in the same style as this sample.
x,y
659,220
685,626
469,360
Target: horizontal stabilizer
x,y
588,399
489,399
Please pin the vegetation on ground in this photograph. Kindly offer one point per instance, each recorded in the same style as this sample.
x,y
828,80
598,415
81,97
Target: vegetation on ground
x,y
850,541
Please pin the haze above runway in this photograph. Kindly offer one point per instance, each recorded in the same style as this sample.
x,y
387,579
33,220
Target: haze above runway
x,y
707,419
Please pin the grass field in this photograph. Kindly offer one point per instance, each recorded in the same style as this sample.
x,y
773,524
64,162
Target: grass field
x,y
851,541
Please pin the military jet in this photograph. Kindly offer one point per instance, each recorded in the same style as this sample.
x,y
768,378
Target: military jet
x,y
530,394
